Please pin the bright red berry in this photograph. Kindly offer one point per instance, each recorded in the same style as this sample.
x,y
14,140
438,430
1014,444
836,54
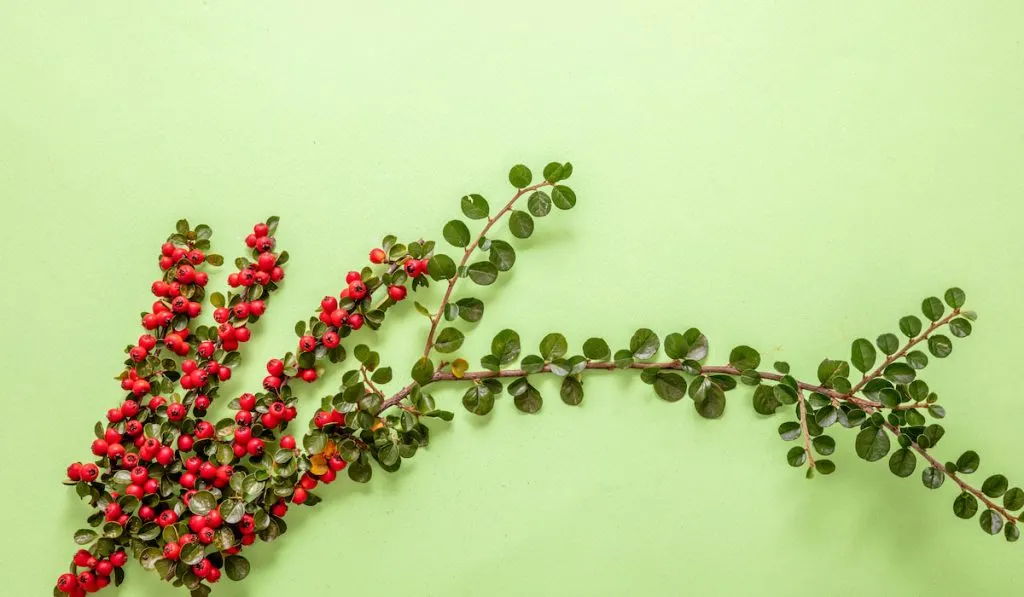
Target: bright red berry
x,y
378,256
288,442
396,293
307,343
355,321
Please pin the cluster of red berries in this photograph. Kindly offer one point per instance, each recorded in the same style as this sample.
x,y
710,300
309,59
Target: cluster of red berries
x,y
265,269
124,443
278,413
95,577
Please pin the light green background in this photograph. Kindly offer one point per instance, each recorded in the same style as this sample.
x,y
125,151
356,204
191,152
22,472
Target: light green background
x,y
790,175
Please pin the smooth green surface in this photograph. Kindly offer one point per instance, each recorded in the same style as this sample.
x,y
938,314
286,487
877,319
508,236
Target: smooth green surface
x,y
786,175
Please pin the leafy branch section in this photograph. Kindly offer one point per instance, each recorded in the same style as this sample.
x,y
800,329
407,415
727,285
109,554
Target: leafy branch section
x,y
185,496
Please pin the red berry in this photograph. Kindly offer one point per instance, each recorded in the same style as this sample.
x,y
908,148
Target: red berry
x,y
67,583
272,383
176,411
336,463
266,261
90,472
396,293
172,550
300,495
355,321
279,509
119,558
378,256
264,243
75,471
288,442
277,274
307,343
308,375
204,429
261,229
322,418
330,339
329,304
242,334
104,568
221,314
352,277
186,274
241,310
357,290
415,267
247,402
202,403
275,367
147,341
269,420
82,557
139,475
195,256
185,442
254,447
99,447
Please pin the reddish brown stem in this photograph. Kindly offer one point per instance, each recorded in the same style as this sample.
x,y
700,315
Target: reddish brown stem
x,y
436,319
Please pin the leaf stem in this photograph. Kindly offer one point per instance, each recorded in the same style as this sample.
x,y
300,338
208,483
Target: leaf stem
x,y
964,486
436,319
803,427
903,351
669,365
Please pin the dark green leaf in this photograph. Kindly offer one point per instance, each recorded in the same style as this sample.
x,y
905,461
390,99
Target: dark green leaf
x,y
475,207
968,462
470,309
456,233
670,386
596,349
502,255
899,372
441,267
965,505
872,443
744,357
955,298
520,224
991,522
932,477
932,308
902,462
505,346
888,343
940,346
563,197
644,344
483,273
553,346
571,391
862,355
995,486
423,371
202,503
449,340
910,326
539,204
520,176
1013,499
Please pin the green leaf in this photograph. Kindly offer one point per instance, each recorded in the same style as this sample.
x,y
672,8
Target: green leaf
x,y
764,400
917,359
529,400
236,567
423,371
932,308
932,477
502,255
968,462
553,346
872,443
910,326
483,273
449,340
520,224
955,298
825,467
713,404
789,431
744,357
1013,499
475,207
960,327
796,456
441,267
563,197
456,233
902,462
862,355
830,369
965,505
520,176
571,391
888,343
203,232
505,346
202,503
539,204
470,309
596,349
478,399
555,172
644,344
991,522
824,445
690,345
215,259
826,416
85,536
995,486
900,373
670,386
1011,532
940,346
191,553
